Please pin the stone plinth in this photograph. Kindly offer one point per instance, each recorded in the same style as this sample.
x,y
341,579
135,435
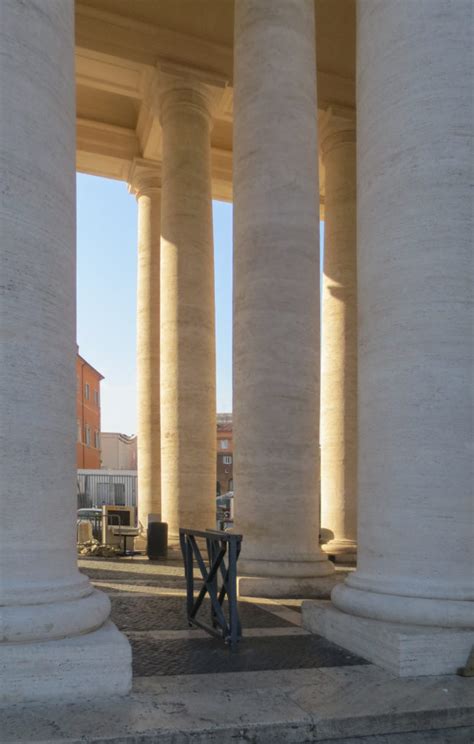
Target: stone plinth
x,y
93,665
405,650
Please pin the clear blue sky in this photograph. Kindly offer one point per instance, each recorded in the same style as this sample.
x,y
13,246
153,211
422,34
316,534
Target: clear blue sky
x,y
106,295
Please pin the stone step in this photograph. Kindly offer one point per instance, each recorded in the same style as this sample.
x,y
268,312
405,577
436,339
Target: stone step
x,y
345,705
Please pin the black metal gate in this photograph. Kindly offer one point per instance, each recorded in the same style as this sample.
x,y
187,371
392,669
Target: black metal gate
x,y
219,580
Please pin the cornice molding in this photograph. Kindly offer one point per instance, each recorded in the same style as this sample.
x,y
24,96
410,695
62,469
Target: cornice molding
x,y
102,72
126,39
106,139
109,151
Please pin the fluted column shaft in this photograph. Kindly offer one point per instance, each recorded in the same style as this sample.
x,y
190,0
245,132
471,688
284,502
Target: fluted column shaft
x,y
48,609
276,297
339,340
147,186
188,392
415,270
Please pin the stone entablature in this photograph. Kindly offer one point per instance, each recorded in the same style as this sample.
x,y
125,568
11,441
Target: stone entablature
x,y
118,53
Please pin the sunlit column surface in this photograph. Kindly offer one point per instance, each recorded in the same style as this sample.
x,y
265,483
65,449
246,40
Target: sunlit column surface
x,y
188,388
339,339
276,299
146,184
55,638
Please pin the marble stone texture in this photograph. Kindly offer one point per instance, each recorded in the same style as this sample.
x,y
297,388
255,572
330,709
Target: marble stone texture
x,y
188,370
51,617
339,338
415,343
146,183
287,586
405,650
362,704
95,664
276,294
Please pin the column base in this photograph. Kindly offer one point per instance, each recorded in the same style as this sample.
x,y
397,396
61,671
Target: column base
x,y
344,551
140,542
358,596
405,650
173,541
92,665
279,579
284,587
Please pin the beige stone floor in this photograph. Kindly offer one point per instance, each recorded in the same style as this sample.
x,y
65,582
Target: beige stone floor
x,y
356,704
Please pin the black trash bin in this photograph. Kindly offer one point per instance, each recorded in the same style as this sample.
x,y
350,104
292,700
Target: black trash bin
x,y
157,540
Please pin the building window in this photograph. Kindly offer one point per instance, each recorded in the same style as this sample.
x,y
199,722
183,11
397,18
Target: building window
x,y
87,435
96,440
79,432
227,460
96,397
224,444
87,391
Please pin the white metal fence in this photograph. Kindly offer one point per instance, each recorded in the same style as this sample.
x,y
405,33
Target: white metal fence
x,y
111,487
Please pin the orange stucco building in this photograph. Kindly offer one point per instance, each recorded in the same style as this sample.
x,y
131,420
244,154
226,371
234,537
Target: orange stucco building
x,y
88,414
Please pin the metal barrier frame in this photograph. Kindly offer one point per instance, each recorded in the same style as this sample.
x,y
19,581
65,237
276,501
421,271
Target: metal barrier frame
x,y
219,544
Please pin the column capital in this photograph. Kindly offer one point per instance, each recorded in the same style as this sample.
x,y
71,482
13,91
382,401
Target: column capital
x,y
337,126
179,90
144,177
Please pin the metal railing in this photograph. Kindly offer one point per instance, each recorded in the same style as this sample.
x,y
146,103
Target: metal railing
x,y
219,580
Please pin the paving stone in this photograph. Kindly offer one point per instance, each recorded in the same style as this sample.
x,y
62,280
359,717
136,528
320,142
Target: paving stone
x,y
203,655
253,654
132,577
257,708
169,613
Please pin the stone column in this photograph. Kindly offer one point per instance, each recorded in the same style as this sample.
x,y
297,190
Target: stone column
x,y
146,184
415,296
188,367
56,640
339,340
276,299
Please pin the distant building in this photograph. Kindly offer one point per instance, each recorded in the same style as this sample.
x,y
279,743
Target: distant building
x,y
225,453
113,487
87,414
119,452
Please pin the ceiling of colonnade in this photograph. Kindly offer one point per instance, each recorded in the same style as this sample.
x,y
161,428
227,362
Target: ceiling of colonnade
x,y
119,44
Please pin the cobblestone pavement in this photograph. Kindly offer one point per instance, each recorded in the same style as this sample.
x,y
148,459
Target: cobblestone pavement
x,y
148,605
169,613
254,654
